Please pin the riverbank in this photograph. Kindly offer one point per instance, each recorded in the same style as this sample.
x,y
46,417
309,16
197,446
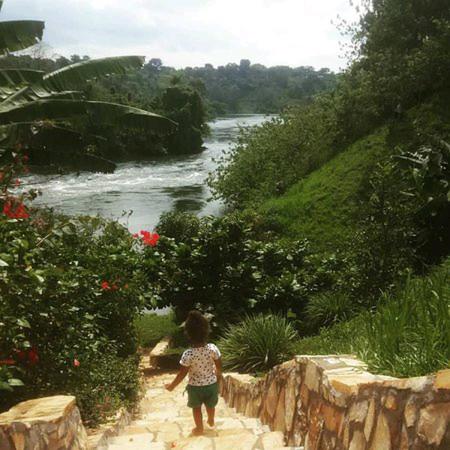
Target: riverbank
x,y
145,188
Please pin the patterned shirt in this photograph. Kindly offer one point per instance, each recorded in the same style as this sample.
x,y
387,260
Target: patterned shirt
x,y
200,360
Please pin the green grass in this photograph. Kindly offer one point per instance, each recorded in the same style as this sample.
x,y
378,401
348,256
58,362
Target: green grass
x,y
151,328
322,207
408,334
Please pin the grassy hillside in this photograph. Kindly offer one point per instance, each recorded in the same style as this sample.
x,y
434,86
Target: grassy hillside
x,y
322,207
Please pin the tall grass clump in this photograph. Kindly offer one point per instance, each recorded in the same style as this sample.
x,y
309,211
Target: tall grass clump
x,y
257,343
409,334
329,308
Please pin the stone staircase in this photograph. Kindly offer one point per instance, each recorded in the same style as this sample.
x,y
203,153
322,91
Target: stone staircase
x,y
165,422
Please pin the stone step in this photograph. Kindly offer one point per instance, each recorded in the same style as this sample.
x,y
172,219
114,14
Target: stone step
x,y
141,441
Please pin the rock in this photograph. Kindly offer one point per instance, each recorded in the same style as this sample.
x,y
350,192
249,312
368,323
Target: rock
x,y
390,402
369,420
312,377
410,413
358,442
272,399
358,411
433,422
290,400
442,380
382,436
273,440
279,423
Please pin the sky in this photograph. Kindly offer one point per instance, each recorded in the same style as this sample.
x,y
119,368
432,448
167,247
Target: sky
x,y
193,32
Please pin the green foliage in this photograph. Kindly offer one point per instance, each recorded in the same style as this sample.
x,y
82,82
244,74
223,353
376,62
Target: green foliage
x,y
230,267
70,291
323,207
103,384
151,328
257,343
19,34
270,158
329,308
254,88
184,106
407,335
30,99
345,338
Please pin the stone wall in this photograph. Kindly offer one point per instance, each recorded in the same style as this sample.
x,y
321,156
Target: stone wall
x,y
332,402
52,423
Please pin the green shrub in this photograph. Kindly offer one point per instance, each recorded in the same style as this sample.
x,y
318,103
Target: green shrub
x,y
70,290
257,343
329,308
409,335
230,268
151,328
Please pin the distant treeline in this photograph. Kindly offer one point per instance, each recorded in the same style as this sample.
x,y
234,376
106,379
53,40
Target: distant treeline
x,y
229,89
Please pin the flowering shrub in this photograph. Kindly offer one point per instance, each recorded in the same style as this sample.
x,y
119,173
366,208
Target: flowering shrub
x,y
70,290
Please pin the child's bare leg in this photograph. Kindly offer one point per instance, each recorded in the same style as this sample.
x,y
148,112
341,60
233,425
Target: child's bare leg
x,y
211,412
198,419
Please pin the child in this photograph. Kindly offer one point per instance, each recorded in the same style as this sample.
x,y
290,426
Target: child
x,y
202,362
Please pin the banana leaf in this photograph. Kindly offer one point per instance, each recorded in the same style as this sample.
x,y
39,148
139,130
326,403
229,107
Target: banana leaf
x,y
19,95
14,77
98,112
77,74
19,34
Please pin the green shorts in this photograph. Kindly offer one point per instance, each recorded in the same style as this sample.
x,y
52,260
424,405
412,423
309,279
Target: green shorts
x,y
199,395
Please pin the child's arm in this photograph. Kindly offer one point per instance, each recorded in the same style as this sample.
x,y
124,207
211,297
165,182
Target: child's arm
x,y
178,379
218,363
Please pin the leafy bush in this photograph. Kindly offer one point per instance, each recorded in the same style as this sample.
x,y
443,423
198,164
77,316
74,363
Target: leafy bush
x,y
151,328
70,290
257,343
229,268
270,158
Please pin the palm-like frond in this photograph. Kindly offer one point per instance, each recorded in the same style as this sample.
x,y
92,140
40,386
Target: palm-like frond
x,y
103,112
77,74
19,95
19,34
14,77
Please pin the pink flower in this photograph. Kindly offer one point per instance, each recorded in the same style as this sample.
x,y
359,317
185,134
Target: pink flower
x,y
76,363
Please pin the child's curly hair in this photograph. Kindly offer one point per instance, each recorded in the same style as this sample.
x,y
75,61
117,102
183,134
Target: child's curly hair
x,y
196,328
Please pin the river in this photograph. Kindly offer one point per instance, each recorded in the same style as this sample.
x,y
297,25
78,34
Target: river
x,y
137,193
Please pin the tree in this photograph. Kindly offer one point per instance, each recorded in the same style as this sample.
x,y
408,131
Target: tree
x,y
32,101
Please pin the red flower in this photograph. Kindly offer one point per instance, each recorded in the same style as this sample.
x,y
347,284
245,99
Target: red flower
x,y
17,182
25,158
135,235
76,363
20,354
105,286
15,211
7,362
149,238
33,357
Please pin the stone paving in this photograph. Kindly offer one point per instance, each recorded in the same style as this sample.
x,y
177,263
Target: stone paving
x,y
165,422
